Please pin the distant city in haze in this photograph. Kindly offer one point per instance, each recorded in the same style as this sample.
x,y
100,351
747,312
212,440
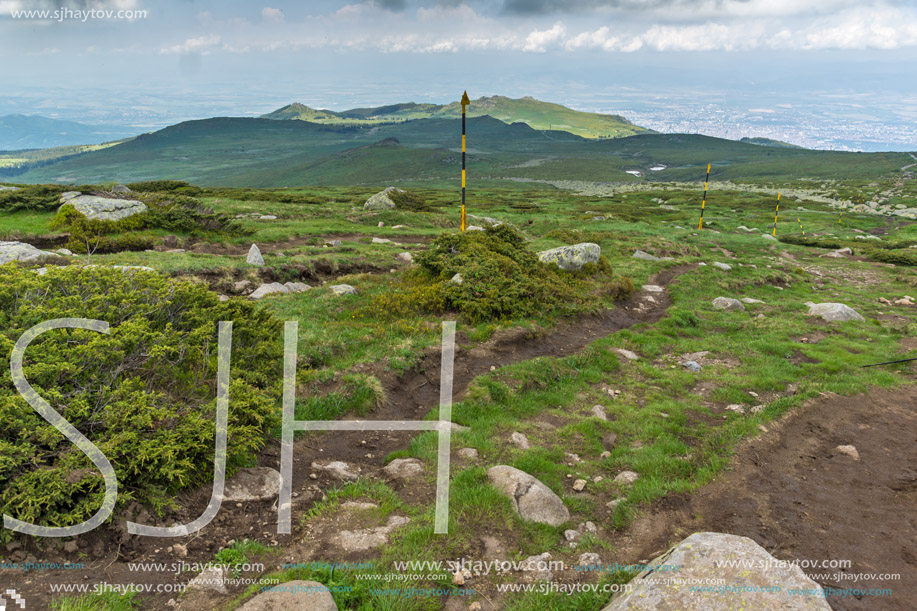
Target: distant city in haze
x,y
832,74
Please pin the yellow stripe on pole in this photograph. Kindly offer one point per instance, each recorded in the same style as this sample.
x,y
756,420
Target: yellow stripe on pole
x,y
463,143
776,214
463,179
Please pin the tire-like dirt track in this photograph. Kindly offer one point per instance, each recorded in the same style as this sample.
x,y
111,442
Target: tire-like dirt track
x,y
793,493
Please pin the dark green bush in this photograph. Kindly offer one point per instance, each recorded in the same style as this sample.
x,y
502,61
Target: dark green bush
x,y
898,257
408,200
172,186
144,394
31,197
501,280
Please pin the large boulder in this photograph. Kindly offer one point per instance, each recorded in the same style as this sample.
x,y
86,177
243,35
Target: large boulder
x,y
20,251
737,562
292,596
381,200
833,312
572,257
531,499
268,289
106,209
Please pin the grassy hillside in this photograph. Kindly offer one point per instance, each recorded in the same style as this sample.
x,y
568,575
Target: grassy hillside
x,y
19,132
535,113
266,153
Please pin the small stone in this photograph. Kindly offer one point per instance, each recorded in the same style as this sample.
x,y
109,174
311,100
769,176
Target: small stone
x,y
456,279
468,453
180,550
381,241
343,289
458,578
630,356
381,224
254,256
599,412
70,547
589,559
572,535
626,477
520,440
723,266
727,303
404,257
691,366
605,454
737,408
850,451
579,485
653,288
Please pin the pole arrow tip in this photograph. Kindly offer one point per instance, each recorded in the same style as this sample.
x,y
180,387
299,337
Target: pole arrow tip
x,y
465,101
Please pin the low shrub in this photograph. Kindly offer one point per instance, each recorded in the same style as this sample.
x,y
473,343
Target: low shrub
x,y
144,394
501,280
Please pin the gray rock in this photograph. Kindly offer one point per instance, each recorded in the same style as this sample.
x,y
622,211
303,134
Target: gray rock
x,y
337,469
848,450
653,288
728,303
254,484
292,596
369,538
531,499
456,279
485,219
381,200
708,556
268,289
648,257
212,579
404,257
691,366
519,440
267,217
381,241
723,266
241,285
5,188
599,412
20,251
403,468
589,559
343,289
254,256
750,300
630,356
768,236
572,257
106,209
297,287
66,196
626,477
474,228
536,568
833,312
468,453
120,189
334,243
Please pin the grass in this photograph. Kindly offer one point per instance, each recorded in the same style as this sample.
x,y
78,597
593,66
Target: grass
x,y
670,425
108,601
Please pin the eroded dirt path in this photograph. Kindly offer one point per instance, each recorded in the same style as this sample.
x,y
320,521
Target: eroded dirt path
x,y
790,490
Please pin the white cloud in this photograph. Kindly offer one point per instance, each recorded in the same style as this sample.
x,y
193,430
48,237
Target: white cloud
x,y
202,45
538,41
272,14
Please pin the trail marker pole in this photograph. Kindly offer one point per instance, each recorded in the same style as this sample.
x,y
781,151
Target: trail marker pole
x,y
840,219
465,102
776,212
802,230
703,203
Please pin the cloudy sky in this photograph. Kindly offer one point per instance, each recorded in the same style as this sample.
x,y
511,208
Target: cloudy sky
x,y
248,56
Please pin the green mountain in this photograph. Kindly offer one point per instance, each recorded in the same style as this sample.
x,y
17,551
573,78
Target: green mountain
x,y
770,142
245,152
20,132
534,113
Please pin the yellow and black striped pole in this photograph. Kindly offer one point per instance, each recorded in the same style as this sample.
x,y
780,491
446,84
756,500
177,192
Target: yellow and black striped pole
x,y
802,230
465,102
776,212
703,203
840,219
